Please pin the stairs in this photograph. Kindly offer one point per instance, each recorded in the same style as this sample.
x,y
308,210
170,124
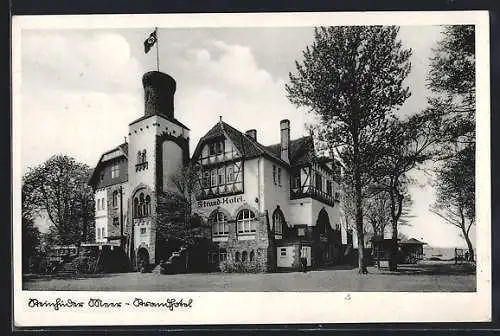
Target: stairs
x,y
157,269
176,263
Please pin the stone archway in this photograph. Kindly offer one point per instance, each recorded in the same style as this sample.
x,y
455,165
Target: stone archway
x,y
322,234
142,260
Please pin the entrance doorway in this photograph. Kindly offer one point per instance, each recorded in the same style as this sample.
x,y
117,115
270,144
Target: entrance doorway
x,y
142,260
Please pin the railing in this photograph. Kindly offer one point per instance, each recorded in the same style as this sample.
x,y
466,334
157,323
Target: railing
x,y
319,195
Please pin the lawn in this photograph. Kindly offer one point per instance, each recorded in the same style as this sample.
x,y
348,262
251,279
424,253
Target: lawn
x,y
424,277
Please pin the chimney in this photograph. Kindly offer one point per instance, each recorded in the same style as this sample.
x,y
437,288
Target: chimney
x,y
285,139
159,90
252,134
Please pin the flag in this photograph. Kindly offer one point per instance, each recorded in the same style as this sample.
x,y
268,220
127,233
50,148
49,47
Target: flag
x,y
150,41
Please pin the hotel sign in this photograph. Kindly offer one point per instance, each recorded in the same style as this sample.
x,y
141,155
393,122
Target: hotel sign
x,y
220,201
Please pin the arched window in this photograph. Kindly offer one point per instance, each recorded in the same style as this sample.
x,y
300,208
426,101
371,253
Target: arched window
x,y
218,221
252,255
148,206
237,256
115,198
144,156
142,205
139,157
136,207
246,221
244,256
278,221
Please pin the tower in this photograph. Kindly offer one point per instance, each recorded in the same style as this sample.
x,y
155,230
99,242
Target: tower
x,y
158,149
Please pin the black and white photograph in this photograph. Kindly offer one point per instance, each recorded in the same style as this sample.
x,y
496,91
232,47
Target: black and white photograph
x,y
309,157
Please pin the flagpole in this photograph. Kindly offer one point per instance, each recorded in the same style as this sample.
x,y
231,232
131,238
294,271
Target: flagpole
x,y
157,50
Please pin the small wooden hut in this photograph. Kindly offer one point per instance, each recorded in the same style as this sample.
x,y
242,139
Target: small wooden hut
x,y
411,251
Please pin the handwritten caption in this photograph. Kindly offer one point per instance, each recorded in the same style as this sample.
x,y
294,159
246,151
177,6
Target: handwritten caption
x,y
170,304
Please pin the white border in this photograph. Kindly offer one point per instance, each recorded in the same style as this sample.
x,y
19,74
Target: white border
x,y
249,308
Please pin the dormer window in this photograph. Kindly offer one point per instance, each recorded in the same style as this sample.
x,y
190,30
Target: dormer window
x,y
216,148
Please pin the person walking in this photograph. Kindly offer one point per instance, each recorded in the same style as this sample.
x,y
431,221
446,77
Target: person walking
x,y
303,261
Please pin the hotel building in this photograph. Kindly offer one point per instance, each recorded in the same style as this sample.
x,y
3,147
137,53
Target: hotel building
x,y
265,207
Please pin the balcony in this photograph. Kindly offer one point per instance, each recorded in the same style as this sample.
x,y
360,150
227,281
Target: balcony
x,y
141,166
308,191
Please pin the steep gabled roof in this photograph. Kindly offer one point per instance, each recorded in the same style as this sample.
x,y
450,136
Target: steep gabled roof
x,y
301,150
247,147
122,147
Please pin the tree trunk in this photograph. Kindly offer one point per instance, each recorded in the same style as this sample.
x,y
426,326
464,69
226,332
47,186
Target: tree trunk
x,y
393,252
396,209
359,208
469,244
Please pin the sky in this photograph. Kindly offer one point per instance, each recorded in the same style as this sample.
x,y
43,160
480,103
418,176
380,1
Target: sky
x,y
81,88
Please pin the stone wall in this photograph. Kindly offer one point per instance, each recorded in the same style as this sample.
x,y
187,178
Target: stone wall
x,y
256,245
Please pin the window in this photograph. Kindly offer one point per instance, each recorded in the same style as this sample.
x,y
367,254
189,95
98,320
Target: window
x,y
136,207
329,187
274,174
216,148
283,251
279,176
206,179
237,256
295,183
319,182
301,232
116,222
115,171
98,204
230,174
147,209
219,147
245,221
252,255
139,157
213,177
143,158
244,256
222,255
221,176
98,233
213,258
115,198
101,176
278,222
143,230
103,204
142,206
218,221
102,233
